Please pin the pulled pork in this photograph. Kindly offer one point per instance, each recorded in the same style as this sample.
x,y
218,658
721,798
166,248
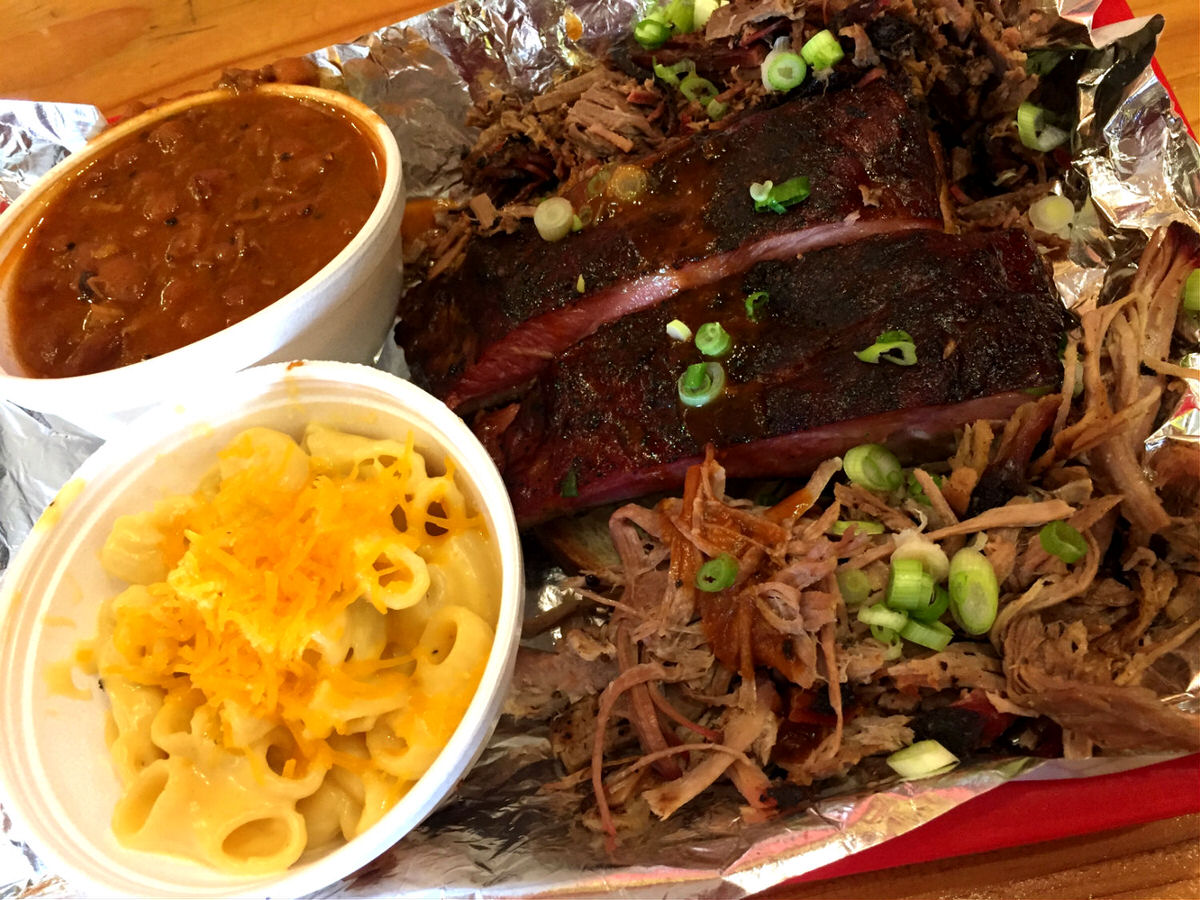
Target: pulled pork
x,y
965,63
772,679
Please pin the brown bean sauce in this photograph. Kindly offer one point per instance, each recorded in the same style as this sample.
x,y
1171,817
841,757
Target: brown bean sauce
x,y
187,227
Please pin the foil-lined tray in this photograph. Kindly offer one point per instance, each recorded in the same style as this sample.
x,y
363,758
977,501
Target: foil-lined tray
x,y
501,835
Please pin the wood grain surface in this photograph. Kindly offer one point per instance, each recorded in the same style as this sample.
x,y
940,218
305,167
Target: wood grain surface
x,y
1156,860
1179,52
111,53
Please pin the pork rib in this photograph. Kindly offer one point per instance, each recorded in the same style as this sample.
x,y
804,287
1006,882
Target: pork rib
x,y
604,422
515,302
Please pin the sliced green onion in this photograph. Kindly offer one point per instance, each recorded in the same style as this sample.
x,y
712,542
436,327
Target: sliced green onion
x,y
909,587
760,191
933,635
783,70
658,14
701,383
713,340
884,635
651,34
1053,214
778,197
912,545
862,526
670,74
854,585
697,89
628,183
878,614
922,759
716,110
694,376
894,346
974,592
1191,293
569,487
891,638
792,191
595,185
682,14
916,491
755,303
678,331
703,12
553,218
576,223
1035,132
873,466
580,285
717,574
1064,541
822,50
937,607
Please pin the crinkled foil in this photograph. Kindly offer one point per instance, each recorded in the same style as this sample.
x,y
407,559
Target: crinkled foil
x,y
501,834
35,136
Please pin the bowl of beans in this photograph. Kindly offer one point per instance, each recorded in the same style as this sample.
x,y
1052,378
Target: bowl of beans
x,y
211,233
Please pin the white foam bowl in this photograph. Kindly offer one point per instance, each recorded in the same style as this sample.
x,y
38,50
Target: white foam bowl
x,y
56,778
342,313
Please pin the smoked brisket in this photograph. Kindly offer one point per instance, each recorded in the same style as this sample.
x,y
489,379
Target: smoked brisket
x,y
604,422
516,302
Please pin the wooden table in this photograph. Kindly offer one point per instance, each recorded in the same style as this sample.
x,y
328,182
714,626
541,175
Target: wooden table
x,y
110,54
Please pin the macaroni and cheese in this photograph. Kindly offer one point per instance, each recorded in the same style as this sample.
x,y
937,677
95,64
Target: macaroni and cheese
x,y
299,640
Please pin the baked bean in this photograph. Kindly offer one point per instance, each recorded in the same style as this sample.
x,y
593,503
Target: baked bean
x,y
186,227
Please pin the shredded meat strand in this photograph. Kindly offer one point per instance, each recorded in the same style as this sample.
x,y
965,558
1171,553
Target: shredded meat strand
x,y
773,671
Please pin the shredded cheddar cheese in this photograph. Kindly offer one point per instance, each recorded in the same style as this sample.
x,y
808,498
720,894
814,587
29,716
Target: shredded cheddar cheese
x,y
271,558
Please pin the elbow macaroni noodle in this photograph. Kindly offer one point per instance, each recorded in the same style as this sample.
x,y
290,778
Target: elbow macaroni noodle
x,y
299,640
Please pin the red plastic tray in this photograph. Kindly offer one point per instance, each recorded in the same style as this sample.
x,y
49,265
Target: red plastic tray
x,y
1029,812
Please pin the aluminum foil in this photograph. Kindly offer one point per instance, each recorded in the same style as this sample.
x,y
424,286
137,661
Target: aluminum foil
x,y
502,835
35,136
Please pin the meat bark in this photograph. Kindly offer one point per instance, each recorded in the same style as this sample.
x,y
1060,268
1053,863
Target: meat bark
x,y
605,422
516,301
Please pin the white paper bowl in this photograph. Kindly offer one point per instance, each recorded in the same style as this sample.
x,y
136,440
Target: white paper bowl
x,y
56,778
343,312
